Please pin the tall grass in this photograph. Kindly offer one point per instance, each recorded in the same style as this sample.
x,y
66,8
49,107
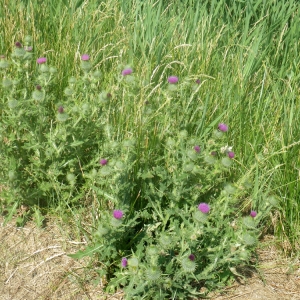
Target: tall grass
x,y
245,53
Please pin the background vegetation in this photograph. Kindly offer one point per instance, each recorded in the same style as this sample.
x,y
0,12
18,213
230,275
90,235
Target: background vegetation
x,y
245,54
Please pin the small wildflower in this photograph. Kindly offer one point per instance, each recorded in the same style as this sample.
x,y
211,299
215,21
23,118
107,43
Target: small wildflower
x,y
173,79
253,213
197,148
192,257
118,214
38,87
61,110
230,154
127,71
204,208
41,60
103,162
124,262
85,57
223,127
198,81
18,44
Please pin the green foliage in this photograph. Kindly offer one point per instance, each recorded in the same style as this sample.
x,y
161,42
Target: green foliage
x,y
237,62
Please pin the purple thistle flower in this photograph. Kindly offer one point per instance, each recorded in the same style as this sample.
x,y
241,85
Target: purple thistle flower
x,y
38,87
18,44
127,71
124,262
173,79
230,154
103,162
197,148
118,214
204,208
192,257
253,213
223,127
41,60
198,81
85,57
61,110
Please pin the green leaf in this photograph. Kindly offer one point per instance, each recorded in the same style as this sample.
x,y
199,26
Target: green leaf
x,y
89,251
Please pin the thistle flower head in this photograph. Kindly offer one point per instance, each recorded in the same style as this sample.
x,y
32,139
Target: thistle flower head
x,y
230,154
204,208
127,71
18,44
61,110
192,257
198,81
118,214
223,127
173,79
253,213
41,60
103,162
197,148
38,87
124,262
85,57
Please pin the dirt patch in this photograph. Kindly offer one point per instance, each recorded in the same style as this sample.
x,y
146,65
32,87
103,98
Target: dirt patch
x,y
276,278
34,266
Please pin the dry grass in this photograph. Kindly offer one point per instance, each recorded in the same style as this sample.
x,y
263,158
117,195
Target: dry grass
x,y
34,265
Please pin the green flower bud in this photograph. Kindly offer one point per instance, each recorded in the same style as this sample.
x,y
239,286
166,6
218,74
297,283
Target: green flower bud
x,y
152,273
188,265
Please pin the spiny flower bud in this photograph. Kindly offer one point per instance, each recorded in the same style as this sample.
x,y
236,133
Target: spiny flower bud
x,y
188,265
165,240
133,262
249,239
152,273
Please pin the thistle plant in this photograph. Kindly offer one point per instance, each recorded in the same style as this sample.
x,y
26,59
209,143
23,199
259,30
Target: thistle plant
x,y
169,218
186,233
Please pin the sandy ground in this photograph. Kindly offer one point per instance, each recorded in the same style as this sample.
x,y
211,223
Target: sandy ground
x,y
34,266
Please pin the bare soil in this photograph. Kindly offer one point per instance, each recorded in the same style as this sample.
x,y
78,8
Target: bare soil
x,y
34,266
